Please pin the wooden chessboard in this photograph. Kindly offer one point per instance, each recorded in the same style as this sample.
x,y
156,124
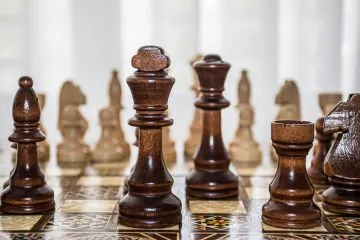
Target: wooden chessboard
x,y
87,200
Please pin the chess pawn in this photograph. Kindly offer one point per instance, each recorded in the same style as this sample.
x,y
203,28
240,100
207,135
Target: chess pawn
x,y
72,151
316,173
169,151
291,193
43,146
193,141
71,94
244,150
211,177
27,192
342,162
149,202
107,150
288,99
115,94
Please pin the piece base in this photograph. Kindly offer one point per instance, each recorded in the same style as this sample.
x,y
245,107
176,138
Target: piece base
x,y
149,212
291,224
212,185
27,200
341,202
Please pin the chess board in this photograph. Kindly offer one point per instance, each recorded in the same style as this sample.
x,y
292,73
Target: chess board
x,y
87,208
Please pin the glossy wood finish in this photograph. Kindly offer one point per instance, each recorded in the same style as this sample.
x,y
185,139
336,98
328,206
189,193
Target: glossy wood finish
x,y
211,177
27,191
291,203
342,163
149,202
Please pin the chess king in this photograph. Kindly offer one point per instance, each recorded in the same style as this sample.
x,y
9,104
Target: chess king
x,y
342,162
149,202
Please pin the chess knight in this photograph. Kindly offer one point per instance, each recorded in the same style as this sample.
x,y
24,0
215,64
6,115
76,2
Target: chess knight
x,y
342,163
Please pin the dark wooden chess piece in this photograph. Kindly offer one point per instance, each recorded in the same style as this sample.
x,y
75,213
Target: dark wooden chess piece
x,y
27,191
211,177
291,203
149,202
342,163
318,178
316,171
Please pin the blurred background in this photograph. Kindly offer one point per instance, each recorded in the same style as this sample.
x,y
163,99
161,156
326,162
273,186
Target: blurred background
x,y
315,42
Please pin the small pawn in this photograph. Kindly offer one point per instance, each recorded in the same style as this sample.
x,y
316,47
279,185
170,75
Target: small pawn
x,y
27,192
193,141
43,146
107,150
316,173
115,93
211,178
288,99
342,162
244,150
72,152
291,193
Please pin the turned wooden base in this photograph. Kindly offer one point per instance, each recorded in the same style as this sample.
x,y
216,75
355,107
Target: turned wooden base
x,y
27,200
210,185
344,200
156,212
317,178
286,216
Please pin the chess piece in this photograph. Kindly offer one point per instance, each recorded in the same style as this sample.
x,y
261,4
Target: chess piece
x,y
316,173
291,203
211,177
193,141
244,150
27,192
108,150
288,98
72,152
342,162
149,202
115,94
43,146
70,94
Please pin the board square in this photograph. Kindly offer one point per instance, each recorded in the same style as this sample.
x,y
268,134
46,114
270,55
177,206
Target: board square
x,y
100,181
267,228
83,206
346,224
215,206
18,223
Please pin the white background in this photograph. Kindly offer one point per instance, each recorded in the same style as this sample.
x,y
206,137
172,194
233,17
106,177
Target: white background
x,y
316,42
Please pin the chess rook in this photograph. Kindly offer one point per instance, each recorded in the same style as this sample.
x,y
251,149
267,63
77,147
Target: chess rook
x,y
149,202
342,163
291,203
211,177
27,192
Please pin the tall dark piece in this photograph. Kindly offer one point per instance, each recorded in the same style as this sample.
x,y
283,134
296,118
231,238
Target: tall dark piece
x,y
149,202
211,177
342,163
27,191
291,203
